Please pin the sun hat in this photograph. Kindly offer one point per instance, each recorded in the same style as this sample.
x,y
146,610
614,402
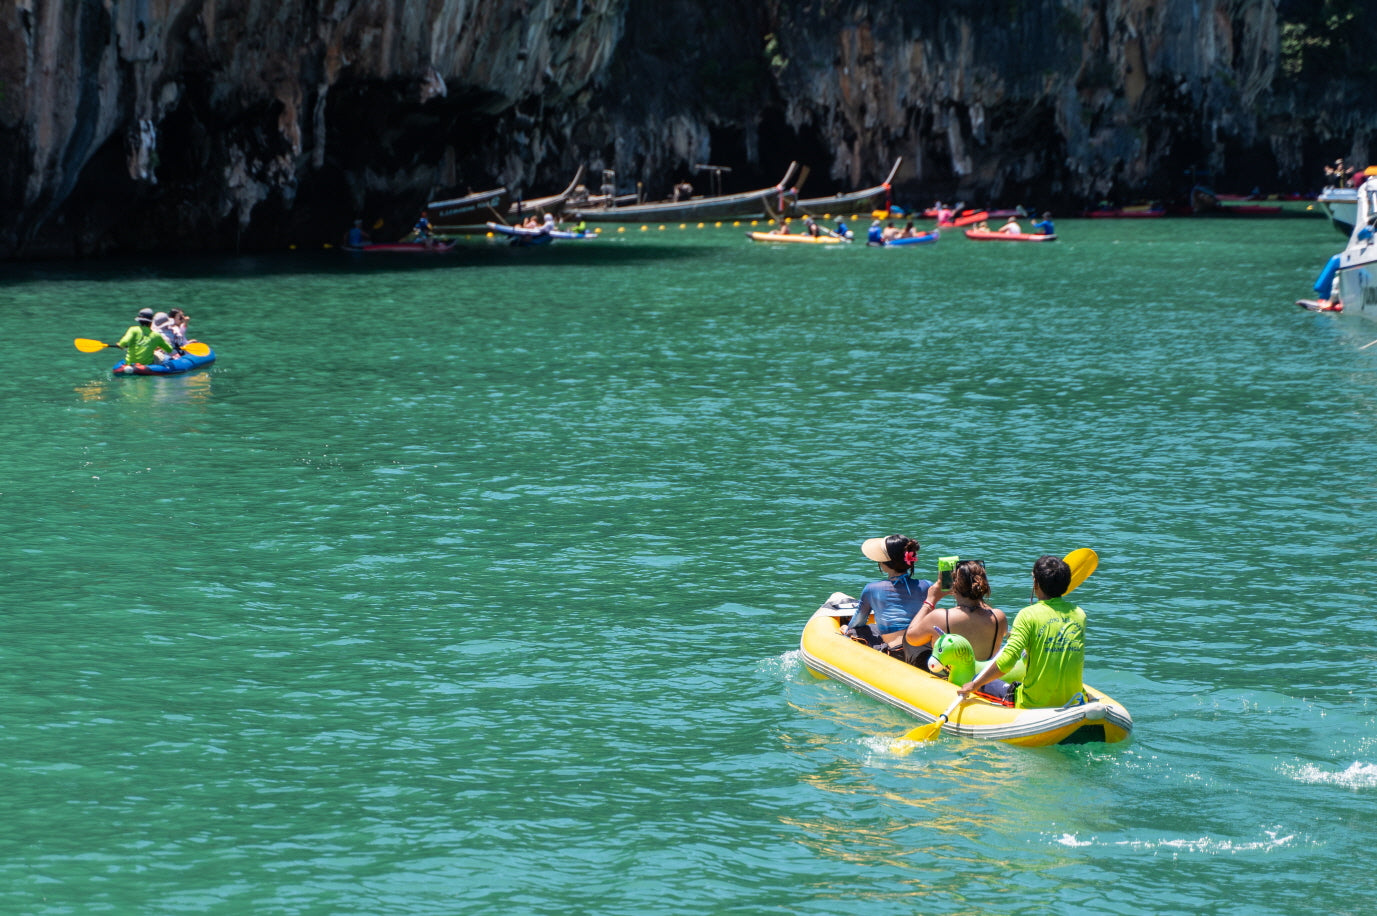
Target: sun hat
x,y
146,316
875,549
161,320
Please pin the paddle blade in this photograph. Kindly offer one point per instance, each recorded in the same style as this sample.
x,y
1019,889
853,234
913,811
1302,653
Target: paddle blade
x,y
86,345
926,732
1082,563
196,348
933,729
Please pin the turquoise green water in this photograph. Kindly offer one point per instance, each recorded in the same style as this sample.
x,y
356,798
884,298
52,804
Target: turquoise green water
x,y
474,584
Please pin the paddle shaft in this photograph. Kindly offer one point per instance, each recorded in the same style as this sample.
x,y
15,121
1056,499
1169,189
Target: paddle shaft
x,y
946,716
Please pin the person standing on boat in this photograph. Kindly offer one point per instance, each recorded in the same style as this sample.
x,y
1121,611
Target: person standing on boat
x,y
983,626
895,600
141,343
1052,633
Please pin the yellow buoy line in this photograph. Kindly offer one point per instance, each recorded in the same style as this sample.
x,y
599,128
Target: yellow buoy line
x,y
661,227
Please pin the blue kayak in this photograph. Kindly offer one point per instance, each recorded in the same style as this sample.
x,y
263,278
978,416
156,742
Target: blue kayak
x,y
922,239
522,236
184,363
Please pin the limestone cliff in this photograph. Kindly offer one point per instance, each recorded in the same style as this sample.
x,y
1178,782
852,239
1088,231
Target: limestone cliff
x,y
154,124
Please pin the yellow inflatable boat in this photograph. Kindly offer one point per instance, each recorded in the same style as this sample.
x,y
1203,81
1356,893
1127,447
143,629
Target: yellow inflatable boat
x,y
799,238
829,654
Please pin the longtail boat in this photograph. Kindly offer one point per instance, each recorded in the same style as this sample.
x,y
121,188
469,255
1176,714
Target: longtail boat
x,y
863,201
541,205
465,215
746,205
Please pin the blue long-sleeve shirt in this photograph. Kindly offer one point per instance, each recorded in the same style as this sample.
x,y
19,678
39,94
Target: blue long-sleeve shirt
x,y
894,602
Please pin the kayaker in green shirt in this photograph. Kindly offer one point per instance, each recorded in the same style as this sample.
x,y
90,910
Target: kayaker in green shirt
x,y
1052,632
141,343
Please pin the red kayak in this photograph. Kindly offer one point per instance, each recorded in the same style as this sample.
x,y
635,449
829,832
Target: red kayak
x,y
968,218
995,236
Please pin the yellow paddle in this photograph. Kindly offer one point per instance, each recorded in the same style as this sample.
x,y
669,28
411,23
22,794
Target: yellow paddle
x,y
87,345
1082,563
933,729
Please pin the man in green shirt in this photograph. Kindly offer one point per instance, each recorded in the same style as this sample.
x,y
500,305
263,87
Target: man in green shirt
x,y
1052,632
141,343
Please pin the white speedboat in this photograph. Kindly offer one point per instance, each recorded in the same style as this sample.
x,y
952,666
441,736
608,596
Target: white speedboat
x,y
1341,206
1357,277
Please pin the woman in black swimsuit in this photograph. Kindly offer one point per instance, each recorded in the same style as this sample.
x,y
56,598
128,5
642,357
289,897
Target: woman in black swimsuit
x,y
973,617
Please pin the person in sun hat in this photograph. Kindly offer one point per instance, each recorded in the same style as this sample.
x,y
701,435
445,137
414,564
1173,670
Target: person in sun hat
x,y
894,600
161,322
141,343
164,325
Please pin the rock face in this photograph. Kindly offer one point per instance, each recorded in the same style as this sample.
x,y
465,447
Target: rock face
x,y
217,124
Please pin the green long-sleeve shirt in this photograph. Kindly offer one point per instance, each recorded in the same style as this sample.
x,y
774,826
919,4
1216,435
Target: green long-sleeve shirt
x,y
1053,633
139,344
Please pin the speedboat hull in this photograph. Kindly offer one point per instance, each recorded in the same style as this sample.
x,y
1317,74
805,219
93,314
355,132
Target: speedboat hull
x,y
1341,206
1357,274
923,695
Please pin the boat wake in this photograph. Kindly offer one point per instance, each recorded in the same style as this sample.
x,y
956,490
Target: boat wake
x,y
1357,776
1273,839
787,664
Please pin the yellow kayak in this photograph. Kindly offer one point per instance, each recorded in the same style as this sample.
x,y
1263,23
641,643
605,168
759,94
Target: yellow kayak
x,y
918,692
800,238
